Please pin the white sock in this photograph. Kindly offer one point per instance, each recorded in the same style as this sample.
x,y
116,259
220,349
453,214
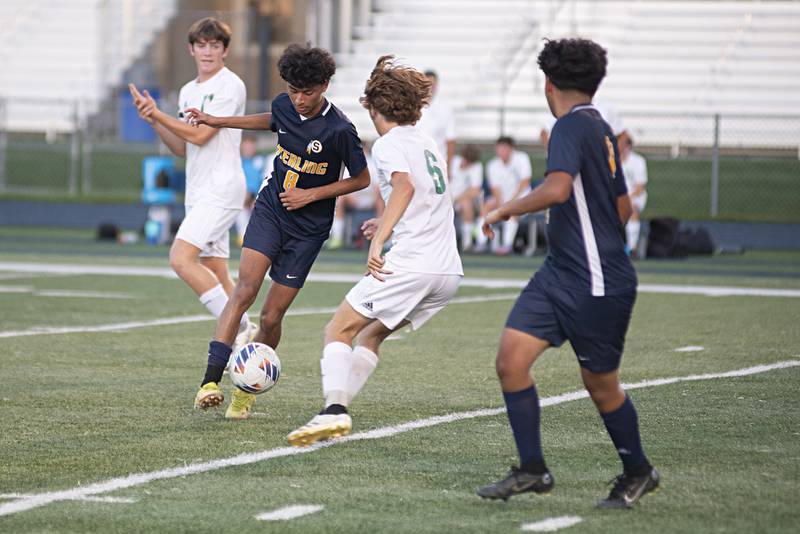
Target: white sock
x,y
509,232
337,358
632,230
337,229
363,363
215,300
466,234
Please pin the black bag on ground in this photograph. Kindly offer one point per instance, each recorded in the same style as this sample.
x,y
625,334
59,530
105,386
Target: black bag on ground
x,y
663,240
696,241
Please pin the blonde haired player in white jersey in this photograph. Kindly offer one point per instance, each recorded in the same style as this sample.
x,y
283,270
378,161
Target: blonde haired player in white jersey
x,y
215,182
421,272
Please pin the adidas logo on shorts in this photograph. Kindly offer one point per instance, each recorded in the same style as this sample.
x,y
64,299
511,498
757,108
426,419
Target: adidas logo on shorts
x,y
367,305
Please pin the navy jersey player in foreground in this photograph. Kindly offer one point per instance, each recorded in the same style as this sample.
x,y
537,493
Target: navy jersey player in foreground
x,y
585,290
294,210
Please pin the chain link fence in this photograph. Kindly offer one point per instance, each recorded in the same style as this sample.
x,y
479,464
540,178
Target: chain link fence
x,y
731,167
701,166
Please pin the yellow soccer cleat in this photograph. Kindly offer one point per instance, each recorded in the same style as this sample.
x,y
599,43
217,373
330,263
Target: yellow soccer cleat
x,y
208,396
240,405
323,426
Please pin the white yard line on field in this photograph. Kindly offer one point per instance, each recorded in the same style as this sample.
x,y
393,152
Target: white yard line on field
x,y
290,512
485,283
690,348
137,479
130,325
65,293
552,524
112,500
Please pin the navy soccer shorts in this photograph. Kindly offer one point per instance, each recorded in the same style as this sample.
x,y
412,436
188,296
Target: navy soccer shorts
x,y
594,326
291,256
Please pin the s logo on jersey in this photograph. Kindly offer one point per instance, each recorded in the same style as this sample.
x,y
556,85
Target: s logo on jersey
x,y
314,146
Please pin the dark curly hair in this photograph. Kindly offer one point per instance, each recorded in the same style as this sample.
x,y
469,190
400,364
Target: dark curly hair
x,y
578,64
303,66
397,92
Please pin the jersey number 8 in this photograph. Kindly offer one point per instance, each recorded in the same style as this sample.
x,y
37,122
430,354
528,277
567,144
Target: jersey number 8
x,y
290,180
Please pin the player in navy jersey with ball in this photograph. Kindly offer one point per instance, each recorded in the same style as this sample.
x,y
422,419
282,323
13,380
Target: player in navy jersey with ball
x,y
294,210
585,290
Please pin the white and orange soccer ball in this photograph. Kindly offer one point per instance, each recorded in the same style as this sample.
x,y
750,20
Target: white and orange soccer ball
x,y
254,368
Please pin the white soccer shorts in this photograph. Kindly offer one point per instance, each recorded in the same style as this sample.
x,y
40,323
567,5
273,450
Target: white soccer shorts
x,y
415,297
207,228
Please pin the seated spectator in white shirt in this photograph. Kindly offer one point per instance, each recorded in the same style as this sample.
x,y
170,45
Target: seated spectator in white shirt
x,y
634,167
466,182
509,176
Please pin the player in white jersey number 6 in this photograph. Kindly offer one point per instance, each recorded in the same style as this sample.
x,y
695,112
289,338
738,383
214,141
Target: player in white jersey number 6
x,y
421,272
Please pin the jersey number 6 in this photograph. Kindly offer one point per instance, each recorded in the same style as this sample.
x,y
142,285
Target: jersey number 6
x,y
436,173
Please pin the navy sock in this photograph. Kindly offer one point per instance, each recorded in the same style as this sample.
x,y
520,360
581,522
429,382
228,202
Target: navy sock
x,y
218,354
623,427
523,414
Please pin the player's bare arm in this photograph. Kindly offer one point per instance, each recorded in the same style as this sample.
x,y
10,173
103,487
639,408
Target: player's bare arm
x,y
145,106
297,197
190,134
402,192
257,121
556,189
624,208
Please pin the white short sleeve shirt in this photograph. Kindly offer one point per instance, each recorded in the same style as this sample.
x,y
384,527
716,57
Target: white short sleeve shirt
x,y
507,176
214,173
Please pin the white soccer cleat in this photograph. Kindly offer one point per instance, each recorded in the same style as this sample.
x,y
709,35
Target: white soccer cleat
x,y
321,427
244,337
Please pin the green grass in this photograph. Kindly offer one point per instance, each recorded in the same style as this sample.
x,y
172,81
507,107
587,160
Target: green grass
x,y
83,408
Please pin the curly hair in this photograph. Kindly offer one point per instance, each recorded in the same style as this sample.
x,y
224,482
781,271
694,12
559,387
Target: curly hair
x,y
397,92
303,66
578,64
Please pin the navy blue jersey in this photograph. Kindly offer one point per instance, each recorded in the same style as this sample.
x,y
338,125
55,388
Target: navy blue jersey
x,y
310,153
586,243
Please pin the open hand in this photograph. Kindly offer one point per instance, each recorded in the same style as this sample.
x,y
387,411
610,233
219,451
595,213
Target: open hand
x,y
369,227
145,104
295,198
376,261
195,117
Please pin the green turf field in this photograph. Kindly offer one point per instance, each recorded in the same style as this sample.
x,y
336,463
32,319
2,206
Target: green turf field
x,y
81,408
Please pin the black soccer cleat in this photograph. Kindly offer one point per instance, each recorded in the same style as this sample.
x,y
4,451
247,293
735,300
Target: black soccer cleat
x,y
628,489
518,481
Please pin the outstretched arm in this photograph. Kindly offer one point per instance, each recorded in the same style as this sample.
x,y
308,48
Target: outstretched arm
x,y
556,189
147,107
259,121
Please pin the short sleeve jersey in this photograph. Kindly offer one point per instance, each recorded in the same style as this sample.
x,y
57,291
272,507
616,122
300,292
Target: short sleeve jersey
x,y
587,248
214,174
463,177
424,239
311,152
508,176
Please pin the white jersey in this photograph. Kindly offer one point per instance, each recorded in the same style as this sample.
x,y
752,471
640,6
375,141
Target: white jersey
x,y
438,121
464,177
424,239
508,176
214,174
635,170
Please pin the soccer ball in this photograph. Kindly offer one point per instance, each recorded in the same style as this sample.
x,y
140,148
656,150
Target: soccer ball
x,y
254,368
